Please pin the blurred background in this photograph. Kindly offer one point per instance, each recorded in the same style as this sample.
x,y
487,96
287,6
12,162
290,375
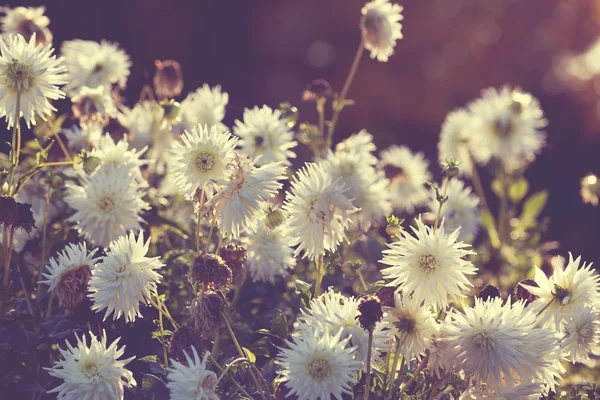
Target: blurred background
x,y
267,51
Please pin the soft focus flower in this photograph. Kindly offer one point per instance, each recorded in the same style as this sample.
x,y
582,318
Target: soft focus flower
x,y
380,26
93,105
168,79
26,21
144,123
590,189
318,211
527,391
568,289
506,125
205,106
92,372
317,365
118,154
407,173
429,266
441,355
70,272
124,278
29,76
201,158
361,144
192,381
80,138
581,335
94,64
265,133
454,138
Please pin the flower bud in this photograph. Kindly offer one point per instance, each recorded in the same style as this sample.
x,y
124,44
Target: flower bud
x,y
289,113
168,79
274,218
370,312
489,292
73,286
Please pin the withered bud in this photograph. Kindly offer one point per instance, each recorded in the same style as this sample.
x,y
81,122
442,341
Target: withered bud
x,y
369,312
317,89
89,163
16,214
210,272
168,79
184,339
521,293
387,296
206,310
489,292
274,218
73,285
235,257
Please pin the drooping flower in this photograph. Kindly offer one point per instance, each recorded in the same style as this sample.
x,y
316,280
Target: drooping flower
x,y
205,106
380,26
168,79
264,132
429,266
317,365
92,372
26,21
192,381
124,278
581,335
29,77
318,211
454,138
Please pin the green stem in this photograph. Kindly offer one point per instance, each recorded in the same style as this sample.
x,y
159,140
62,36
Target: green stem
x,y
441,204
58,163
320,272
62,145
9,242
162,329
362,279
502,220
369,349
221,370
200,207
165,311
394,366
414,376
15,143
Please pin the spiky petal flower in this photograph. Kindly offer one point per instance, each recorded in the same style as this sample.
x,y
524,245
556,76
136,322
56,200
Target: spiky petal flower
x,y
361,144
568,289
125,278
29,76
205,106
93,106
317,365
441,355
26,21
192,381
144,123
201,158
318,211
454,138
380,26
581,335
429,266
92,372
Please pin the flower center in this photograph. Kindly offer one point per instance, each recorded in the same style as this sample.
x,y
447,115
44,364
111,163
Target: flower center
x,y
20,76
259,141
428,263
561,295
90,369
376,29
483,342
98,67
106,204
319,369
503,126
205,161
405,324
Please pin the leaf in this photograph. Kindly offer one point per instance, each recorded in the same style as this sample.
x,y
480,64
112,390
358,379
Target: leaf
x,y
149,359
497,187
532,208
249,355
305,291
487,221
518,190
279,327
161,334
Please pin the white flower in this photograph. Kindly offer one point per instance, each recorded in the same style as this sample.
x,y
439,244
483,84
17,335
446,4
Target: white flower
x,y
460,211
245,191
334,312
429,266
29,76
201,158
93,105
318,211
124,278
107,204
317,365
506,126
94,64
407,173
414,326
454,138
361,144
205,106
192,381
92,372
567,290
144,123
527,391
118,154
265,133
79,138
26,21
441,355
581,335
380,25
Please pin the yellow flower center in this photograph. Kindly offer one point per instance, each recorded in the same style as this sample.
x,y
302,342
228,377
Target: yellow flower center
x,y
20,76
319,369
205,161
90,369
106,204
428,263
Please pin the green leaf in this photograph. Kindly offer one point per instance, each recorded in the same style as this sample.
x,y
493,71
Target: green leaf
x,y
532,208
305,291
518,190
487,221
250,355
279,327
161,334
149,359
497,187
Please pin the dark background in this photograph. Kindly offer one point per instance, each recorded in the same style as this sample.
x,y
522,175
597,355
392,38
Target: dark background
x,y
265,52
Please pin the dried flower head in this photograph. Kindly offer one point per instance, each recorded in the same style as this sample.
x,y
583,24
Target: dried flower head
x,y
489,292
182,340
168,79
235,257
387,295
317,90
206,310
210,272
520,293
370,312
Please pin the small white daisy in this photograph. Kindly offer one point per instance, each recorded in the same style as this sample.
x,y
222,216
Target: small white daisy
x,y
581,335
454,138
192,381
380,26
80,138
429,266
361,144
117,154
407,173
94,64
318,211
124,278
264,132
205,106
92,372
26,21
29,77
506,125
317,365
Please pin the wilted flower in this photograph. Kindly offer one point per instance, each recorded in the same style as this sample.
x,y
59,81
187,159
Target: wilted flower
x,y
489,292
380,26
206,310
168,79
235,256
183,340
16,214
521,294
317,90
590,189
211,273
194,381
370,312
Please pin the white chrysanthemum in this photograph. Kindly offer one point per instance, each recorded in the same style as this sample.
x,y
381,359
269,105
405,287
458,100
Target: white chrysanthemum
x,y
414,326
94,64
499,344
506,126
407,173
461,210
26,21
567,290
366,186
124,278
107,204
380,25
79,138
527,391
429,266
361,144
144,123
205,106
92,372
581,335
264,132
454,138
318,211
118,154
73,256
269,254
335,311
441,355
317,365
201,158
29,76
93,105
192,381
